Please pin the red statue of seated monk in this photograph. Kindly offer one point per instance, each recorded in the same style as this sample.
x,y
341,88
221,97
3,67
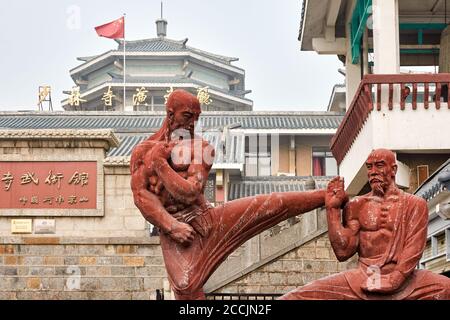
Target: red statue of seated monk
x,y
169,172
388,229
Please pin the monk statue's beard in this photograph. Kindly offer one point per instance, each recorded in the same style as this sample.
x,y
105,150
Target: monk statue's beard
x,y
378,188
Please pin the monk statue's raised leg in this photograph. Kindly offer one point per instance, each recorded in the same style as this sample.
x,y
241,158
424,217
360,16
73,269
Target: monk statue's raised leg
x,y
226,228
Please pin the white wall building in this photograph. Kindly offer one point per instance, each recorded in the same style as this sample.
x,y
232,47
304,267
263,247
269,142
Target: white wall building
x,y
388,103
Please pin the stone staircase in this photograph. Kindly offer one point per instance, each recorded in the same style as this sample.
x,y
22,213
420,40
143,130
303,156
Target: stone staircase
x,y
269,246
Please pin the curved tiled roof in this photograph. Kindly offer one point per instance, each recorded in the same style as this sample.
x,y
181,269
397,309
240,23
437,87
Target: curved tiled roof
x,y
265,185
133,127
439,181
127,143
168,45
149,121
234,146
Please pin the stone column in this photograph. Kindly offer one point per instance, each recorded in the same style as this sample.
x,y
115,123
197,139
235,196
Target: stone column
x,y
352,71
292,156
366,67
304,160
386,40
444,53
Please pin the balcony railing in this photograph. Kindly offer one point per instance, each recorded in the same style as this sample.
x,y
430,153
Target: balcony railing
x,y
427,89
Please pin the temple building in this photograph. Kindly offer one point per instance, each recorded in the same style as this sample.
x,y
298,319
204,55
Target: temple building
x,y
152,67
389,103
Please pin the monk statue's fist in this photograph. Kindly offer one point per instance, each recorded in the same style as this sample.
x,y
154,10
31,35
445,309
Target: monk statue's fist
x,y
162,150
336,197
182,233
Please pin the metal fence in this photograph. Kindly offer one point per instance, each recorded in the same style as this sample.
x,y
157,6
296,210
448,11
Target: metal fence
x,y
242,296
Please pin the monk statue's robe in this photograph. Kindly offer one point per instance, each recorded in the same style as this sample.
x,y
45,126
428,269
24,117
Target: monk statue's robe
x,y
403,253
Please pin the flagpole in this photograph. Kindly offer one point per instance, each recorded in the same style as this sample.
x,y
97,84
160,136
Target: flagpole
x,y
124,63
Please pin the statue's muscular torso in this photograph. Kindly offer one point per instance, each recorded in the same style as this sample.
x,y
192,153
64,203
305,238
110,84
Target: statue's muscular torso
x,y
143,162
376,217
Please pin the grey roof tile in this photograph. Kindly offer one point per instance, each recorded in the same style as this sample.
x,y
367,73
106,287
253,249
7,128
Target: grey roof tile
x,y
439,181
133,128
234,148
168,45
251,186
150,121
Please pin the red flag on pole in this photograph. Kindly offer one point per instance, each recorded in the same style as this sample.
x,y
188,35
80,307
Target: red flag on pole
x,y
112,30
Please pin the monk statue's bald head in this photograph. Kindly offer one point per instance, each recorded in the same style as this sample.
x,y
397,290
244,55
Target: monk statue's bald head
x,y
387,155
381,169
183,111
181,99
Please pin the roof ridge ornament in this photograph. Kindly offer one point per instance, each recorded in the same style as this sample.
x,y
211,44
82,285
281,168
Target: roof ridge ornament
x,y
161,25
61,134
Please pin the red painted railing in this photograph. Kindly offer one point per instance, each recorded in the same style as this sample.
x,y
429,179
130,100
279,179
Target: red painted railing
x,y
371,87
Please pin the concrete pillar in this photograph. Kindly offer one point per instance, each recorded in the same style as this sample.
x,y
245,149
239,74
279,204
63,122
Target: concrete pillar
x,y
366,52
352,79
128,101
226,185
275,154
444,53
386,41
352,71
292,155
253,251
283,155
304,160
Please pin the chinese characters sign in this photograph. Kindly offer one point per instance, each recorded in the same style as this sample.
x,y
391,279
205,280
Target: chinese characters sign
x,y
48,185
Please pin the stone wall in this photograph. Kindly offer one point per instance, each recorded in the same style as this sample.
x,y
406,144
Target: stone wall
x,y
105,255
55,268
311,261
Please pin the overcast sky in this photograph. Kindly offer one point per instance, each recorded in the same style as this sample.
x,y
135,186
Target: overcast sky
x,y
40,41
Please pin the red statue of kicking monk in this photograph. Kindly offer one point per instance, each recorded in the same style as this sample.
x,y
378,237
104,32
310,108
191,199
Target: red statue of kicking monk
x,y
388,229
169,172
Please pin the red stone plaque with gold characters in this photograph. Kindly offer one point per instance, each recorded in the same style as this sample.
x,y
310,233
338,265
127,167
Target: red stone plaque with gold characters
x,y
48,185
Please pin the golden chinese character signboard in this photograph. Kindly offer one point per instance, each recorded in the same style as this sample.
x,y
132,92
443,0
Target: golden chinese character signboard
x,y
48,185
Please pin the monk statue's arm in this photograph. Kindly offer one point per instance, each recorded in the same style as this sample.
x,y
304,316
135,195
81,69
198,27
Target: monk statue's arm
x,y
152,208
343,237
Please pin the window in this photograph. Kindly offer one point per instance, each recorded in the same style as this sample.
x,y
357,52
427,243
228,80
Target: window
x,y
264,165
142,107
210,189
323,163
152,103
422,174
257,156
251,165
158,101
